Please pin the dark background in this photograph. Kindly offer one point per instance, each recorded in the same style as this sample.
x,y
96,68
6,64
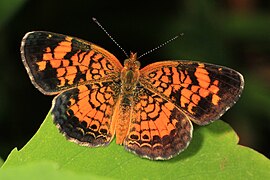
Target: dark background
x,y
233,33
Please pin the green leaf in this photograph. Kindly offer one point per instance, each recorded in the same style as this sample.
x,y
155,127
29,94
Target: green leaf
x,y
35,170
213,153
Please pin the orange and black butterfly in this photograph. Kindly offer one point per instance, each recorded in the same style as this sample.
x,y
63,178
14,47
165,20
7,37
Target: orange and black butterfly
x,y
149,110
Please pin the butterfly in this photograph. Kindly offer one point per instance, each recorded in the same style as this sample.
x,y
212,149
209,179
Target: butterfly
x,y
150,110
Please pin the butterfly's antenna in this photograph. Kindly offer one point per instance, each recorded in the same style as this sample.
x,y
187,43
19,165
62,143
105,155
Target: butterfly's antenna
x,y
161,45
96,21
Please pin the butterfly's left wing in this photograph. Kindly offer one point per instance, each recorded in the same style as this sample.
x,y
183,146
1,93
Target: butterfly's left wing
x,y
202,91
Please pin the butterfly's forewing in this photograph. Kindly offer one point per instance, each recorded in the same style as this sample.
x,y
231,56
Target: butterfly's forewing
x,y
202,91
56,62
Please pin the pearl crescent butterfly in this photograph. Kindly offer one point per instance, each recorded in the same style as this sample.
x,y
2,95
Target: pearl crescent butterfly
x,y
148,110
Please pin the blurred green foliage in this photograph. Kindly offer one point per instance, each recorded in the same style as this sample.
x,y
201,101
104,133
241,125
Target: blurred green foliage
x,y
1,162
8,8
223,32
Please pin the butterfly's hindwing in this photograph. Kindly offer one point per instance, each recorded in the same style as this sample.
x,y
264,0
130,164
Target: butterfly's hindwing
x,y
158,130
84,114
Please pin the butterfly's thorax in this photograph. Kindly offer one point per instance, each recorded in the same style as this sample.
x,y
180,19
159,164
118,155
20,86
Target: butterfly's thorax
x,y
130,74
129,78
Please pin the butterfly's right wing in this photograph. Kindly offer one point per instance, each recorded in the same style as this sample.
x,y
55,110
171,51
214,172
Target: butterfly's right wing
x,y
203,91
57,62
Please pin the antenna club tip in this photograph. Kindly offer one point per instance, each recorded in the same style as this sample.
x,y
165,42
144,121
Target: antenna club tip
x,y
182,34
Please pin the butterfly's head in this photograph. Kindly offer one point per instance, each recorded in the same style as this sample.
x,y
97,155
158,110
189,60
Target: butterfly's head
x,y
132,63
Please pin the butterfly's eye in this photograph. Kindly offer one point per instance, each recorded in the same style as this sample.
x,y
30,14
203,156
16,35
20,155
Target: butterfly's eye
x,y
137,64
126,62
